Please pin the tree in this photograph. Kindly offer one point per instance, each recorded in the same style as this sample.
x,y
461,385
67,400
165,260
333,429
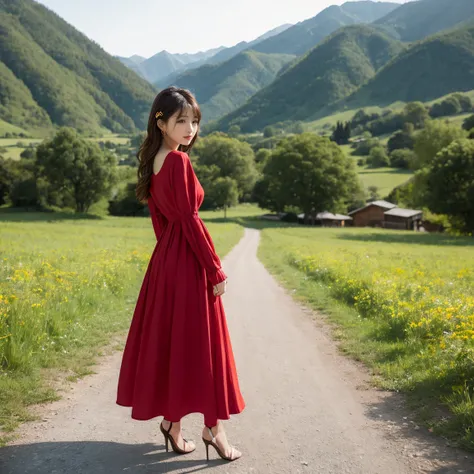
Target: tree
x,y
465,101
310,173
402,158
435,136
234,131
342,133
126,202
450,184
449,106
373,193
415,113
363,147
6,180
378,157
269,132
76,169
233,159
28,153
468,123
401,139
225,193
137,140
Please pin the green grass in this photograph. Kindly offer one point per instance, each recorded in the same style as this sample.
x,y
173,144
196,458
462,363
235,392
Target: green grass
x,y
6,142
112,138
6,127
13,153
400,302
384,178
68,285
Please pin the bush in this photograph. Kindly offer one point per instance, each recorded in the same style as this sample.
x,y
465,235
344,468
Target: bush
x,y
449,106
126,203
378,157
401,140
468,123
402,158
364,147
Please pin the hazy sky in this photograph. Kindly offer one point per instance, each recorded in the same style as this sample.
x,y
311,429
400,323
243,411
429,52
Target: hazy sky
x,y
145,27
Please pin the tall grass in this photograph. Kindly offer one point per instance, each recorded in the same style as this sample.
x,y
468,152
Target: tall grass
x,y
409,314
66,287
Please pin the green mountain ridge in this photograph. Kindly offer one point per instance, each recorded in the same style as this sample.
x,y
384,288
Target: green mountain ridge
x,y
223,87
417,20
423,70
222,94
437,66
331,71
70,80
304,36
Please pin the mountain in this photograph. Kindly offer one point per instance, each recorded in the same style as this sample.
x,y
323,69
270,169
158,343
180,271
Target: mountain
x,y
437,66
417,20
163,68
51,74
303,36
228,53
163,63
133,63
223,87
331,71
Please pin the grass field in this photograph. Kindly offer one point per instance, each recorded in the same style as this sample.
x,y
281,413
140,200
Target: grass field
x,y
403,303
68,284
384,178
13,151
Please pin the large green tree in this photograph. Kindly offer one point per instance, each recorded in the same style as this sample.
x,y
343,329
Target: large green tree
x,y
310,173
432,139
233,158
450,184
76,169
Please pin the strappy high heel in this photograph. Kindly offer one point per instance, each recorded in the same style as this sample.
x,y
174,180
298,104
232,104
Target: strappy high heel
x,y
213,443
174,446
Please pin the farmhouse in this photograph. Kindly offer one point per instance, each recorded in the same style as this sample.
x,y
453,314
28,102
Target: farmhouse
x,y
325,219
387,215
405,219
372,214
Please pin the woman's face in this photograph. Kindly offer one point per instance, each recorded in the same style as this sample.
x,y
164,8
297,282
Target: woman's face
x,y
181,127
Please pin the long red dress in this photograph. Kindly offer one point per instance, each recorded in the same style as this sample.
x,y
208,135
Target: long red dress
x,y
178,356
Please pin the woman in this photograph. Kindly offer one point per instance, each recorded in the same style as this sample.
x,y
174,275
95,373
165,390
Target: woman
x,y
178,357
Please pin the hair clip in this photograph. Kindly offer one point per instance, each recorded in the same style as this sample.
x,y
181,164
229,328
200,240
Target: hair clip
x,y
159,114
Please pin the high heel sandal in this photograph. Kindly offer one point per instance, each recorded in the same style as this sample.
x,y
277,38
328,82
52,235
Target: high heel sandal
x,y
169,438
213,443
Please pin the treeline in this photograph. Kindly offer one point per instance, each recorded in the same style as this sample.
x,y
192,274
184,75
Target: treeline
x,y
292,174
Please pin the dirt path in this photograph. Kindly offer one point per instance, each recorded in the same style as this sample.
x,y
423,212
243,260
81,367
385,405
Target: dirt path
x,y
309,409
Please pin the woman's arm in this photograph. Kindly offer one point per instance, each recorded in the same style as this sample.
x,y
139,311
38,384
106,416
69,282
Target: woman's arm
x,y
196,233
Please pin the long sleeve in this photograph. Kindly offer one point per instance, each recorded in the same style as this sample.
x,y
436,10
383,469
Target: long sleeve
x,y
157,218
196,233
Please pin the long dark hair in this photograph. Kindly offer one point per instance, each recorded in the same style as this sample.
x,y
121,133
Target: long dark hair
x,y
168,102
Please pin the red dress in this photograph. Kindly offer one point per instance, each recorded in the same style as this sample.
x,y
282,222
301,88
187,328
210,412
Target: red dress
x,y
178,356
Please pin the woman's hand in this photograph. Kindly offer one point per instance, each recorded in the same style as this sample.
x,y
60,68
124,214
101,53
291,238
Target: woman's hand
x,y
220,288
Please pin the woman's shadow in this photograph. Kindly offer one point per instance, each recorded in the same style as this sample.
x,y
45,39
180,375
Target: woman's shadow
x,y
95,457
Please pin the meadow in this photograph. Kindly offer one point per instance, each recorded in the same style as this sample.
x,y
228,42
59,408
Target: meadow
x,y
402,303
68,285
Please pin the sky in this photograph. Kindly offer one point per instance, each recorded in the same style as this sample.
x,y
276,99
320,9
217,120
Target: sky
x,y
145,27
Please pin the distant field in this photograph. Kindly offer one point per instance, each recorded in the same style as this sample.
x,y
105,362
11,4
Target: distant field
x,y
9,128
14,151
345,116
384,178
112,138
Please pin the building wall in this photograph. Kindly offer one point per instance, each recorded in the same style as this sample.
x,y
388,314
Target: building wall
x,y
370,216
